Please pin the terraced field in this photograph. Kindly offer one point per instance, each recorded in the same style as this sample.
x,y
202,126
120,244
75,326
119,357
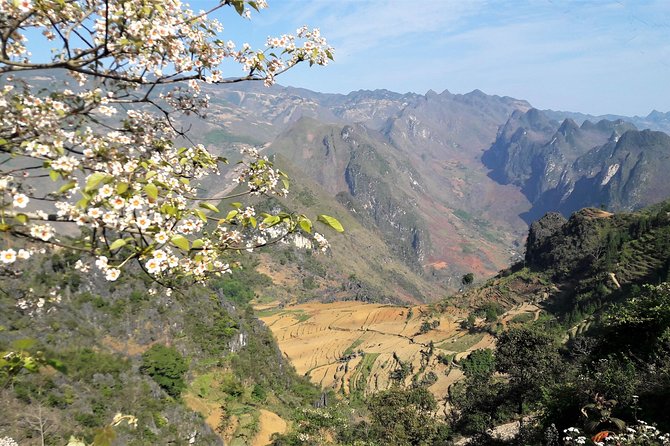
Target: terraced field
x,y
356,348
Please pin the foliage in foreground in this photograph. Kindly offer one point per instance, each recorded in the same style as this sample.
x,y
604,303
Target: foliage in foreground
x,y
107,130
102,336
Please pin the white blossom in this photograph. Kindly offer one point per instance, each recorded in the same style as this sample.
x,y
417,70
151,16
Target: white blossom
x,y
20,201
8,256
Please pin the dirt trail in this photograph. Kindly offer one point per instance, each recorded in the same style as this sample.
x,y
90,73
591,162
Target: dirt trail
x,y
211,411
269,423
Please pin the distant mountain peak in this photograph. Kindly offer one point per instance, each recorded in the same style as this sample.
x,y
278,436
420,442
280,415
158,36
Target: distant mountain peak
x,y
610,163
568,126
477,93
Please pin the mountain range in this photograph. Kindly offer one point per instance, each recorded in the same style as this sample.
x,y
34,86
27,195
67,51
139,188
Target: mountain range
x,y
565,166
443,184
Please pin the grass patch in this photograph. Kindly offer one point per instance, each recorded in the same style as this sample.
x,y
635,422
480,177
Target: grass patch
x,y
352,347
299,315
268,312
462,343
465,216
249,424
203,385
522,318
359,378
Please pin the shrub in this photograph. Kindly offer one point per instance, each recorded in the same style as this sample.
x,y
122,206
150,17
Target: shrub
x,y
167,367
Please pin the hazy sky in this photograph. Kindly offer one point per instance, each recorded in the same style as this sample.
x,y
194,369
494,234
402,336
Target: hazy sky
x,y
590,56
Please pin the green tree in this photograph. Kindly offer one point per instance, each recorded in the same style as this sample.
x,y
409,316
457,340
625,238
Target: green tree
x,y
467,279
642,322
529,357
479,365
406,417
479,401
167,367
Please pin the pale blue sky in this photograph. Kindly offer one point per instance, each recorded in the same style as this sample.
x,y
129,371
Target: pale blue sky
x,y
589,56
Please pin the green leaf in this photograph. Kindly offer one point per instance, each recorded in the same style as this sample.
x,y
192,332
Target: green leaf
x,y
253,222
239,6
151,190
271,220
56,364
169,209
150,175
305,225
121,188
81,204
54,175
30,364
236,205
198,243
22,218
209,206
200,215
180,242
117,244
330,221
231,214
94,180
67,186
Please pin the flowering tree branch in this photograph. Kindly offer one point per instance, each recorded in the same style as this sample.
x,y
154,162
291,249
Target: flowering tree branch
x,y
105,136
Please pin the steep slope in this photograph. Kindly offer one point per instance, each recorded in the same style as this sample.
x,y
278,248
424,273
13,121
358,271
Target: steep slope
x,y
574,270
443,137
410,166
366,177
232,378
364,263
578,265
625,174
447,126
429,195
519,141
568,167
252,112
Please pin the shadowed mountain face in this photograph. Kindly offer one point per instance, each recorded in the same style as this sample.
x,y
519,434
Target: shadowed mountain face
x,y
564,167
